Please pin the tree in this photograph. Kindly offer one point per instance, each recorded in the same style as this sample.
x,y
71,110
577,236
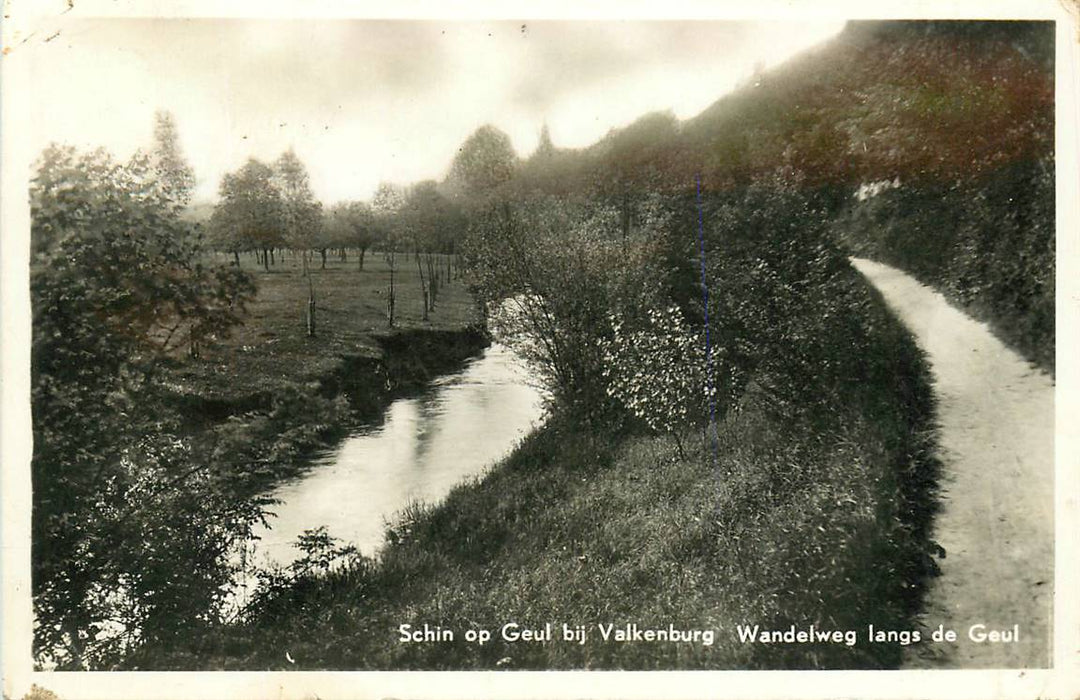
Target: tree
x,y
351,224
174,176
430,221
301,213
118,287
301,219
662,371
249,215
484,162
387,204
633,161
545,148
552,274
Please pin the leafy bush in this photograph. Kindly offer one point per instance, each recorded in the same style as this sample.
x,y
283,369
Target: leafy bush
x,y
552,271
660,372
118,290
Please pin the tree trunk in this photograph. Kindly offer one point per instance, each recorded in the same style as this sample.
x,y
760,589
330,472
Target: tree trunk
x,y
272,261
311,309
423,285
322,252
362,251
236,257
390,296
266,259
433,281
75,647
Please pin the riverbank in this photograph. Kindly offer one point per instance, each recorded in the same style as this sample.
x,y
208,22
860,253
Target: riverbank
x,y
815,520
271,348
268,394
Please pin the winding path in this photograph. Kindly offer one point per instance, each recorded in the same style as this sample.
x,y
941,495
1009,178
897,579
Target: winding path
x,y
996,524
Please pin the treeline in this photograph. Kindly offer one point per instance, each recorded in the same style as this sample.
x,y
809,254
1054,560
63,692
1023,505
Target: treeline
x,y
269,211
264,209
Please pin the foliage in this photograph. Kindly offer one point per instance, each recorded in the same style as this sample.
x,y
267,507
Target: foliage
x,y
661,373
772,270
387,204
551,273
278,587
301,214
350,224
485,161
118,291
431,221
172,173
987,244
249,215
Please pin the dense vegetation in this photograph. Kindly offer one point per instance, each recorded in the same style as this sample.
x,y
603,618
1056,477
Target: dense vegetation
x,y
739,434
171,388
808,503
118,289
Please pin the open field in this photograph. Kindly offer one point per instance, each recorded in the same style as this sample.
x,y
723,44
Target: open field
x,y
271,346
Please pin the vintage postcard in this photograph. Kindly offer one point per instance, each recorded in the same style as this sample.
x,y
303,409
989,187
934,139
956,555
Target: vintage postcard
x,y
625,351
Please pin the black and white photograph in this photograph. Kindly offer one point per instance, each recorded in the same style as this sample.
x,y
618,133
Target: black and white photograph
x,y
488,345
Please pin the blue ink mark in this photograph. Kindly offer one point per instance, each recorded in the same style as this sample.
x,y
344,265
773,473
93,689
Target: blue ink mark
x,y
709,380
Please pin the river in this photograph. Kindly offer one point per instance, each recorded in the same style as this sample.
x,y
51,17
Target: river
x,y
457,428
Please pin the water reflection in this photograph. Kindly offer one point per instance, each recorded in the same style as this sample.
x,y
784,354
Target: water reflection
x,y
427,444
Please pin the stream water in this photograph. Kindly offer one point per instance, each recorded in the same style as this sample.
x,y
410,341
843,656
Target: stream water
x,y
457,428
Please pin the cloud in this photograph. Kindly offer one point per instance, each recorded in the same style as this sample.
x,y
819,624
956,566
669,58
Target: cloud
x,y
363,101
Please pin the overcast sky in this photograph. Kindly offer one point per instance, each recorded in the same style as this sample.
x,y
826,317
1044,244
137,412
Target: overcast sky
x,y
366,101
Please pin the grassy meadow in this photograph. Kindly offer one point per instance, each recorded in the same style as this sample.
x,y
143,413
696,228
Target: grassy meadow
x,y
271,348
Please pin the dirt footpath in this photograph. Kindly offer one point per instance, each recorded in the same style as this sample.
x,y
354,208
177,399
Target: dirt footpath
x,y
996,417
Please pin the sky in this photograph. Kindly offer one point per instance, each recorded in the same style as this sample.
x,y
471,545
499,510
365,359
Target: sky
x,y
362,102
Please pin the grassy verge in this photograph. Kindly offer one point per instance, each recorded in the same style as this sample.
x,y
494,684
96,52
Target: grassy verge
x,y
816,521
